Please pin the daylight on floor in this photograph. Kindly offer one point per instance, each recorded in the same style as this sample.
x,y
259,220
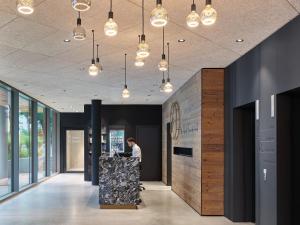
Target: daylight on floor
x,y
149,112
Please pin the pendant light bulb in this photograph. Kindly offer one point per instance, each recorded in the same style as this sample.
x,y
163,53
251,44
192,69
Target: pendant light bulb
x,y
163,83
143,50
168,86
163,64
81,5
98,64
111,27
25,6
159,15
139,62
193,19
125,92
93,69
209,14
79,33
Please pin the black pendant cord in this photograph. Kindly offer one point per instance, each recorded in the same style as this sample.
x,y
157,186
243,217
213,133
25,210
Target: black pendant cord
x,y
163,40
168,60
93,45
125,70
163,76
97,51
143,19
111,5
139,39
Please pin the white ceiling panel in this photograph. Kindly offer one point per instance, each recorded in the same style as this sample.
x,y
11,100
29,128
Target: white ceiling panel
x,y
35,59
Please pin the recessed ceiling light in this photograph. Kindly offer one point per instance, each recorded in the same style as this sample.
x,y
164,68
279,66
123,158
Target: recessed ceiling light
x,y
181,40
239,40
67,40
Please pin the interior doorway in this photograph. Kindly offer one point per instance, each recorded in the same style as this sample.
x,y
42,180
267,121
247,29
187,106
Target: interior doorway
x,y
244,160
169,155
75,150
288,157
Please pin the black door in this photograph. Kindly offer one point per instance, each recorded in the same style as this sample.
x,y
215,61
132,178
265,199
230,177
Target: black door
x,y
169,155
149,139
244,163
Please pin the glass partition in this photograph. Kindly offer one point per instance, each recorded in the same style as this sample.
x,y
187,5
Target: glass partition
x,y
41,122
53,155
5,141
25,155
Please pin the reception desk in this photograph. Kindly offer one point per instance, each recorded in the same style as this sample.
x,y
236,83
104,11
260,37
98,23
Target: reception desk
x,y
119,179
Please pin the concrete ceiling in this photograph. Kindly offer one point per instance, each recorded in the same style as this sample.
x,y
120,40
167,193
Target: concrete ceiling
x,y
34,58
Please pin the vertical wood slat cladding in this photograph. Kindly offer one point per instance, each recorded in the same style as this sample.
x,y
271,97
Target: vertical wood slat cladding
x,y
212,142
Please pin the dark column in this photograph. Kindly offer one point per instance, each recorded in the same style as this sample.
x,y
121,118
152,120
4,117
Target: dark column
x,y
34,143
48,161
96,139
15,141
87,144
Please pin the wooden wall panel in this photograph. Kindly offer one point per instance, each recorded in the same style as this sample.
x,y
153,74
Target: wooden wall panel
x,y
212,142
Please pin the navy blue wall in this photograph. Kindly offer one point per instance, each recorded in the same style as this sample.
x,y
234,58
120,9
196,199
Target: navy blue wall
x,y
271,68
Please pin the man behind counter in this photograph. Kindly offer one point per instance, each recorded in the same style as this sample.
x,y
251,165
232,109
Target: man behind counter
x,y
136,150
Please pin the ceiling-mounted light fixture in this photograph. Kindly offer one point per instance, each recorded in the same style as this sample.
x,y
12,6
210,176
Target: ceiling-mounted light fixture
x,y
111,27
79,33
163,64
98,64
159,15
163,83
139,61
81,5
168,86
93,69
209,14
25,6
193,19
143,48
125,93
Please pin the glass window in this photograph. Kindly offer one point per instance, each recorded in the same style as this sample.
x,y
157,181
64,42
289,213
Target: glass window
x,y
53,154
41,122
25,156
5,141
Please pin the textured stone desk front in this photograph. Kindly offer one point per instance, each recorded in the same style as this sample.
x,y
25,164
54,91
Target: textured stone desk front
x,y
119,180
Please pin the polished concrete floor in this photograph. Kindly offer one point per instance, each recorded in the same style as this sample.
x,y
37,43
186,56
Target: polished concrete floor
x,y
67,200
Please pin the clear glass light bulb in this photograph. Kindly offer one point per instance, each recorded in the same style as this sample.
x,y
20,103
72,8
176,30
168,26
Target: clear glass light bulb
x,y
143,50
163,65
139,62
79,33
125,93
93,70
193,19
81,5
168,87
162,86
159,16
111,28
100,68
25,6
208,15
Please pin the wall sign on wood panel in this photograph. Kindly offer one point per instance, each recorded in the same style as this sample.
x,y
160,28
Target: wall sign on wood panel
x,y
212,138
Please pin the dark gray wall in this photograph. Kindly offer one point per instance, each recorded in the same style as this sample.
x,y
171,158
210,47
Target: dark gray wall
x,y
128,116
271,68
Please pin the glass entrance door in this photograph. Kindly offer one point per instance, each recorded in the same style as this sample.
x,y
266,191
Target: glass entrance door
x,y
75,150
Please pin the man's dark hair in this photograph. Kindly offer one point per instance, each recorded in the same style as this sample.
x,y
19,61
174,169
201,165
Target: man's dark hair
x,y
131,139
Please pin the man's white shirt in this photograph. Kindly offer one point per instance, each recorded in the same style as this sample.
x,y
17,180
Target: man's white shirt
x,y
136,152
